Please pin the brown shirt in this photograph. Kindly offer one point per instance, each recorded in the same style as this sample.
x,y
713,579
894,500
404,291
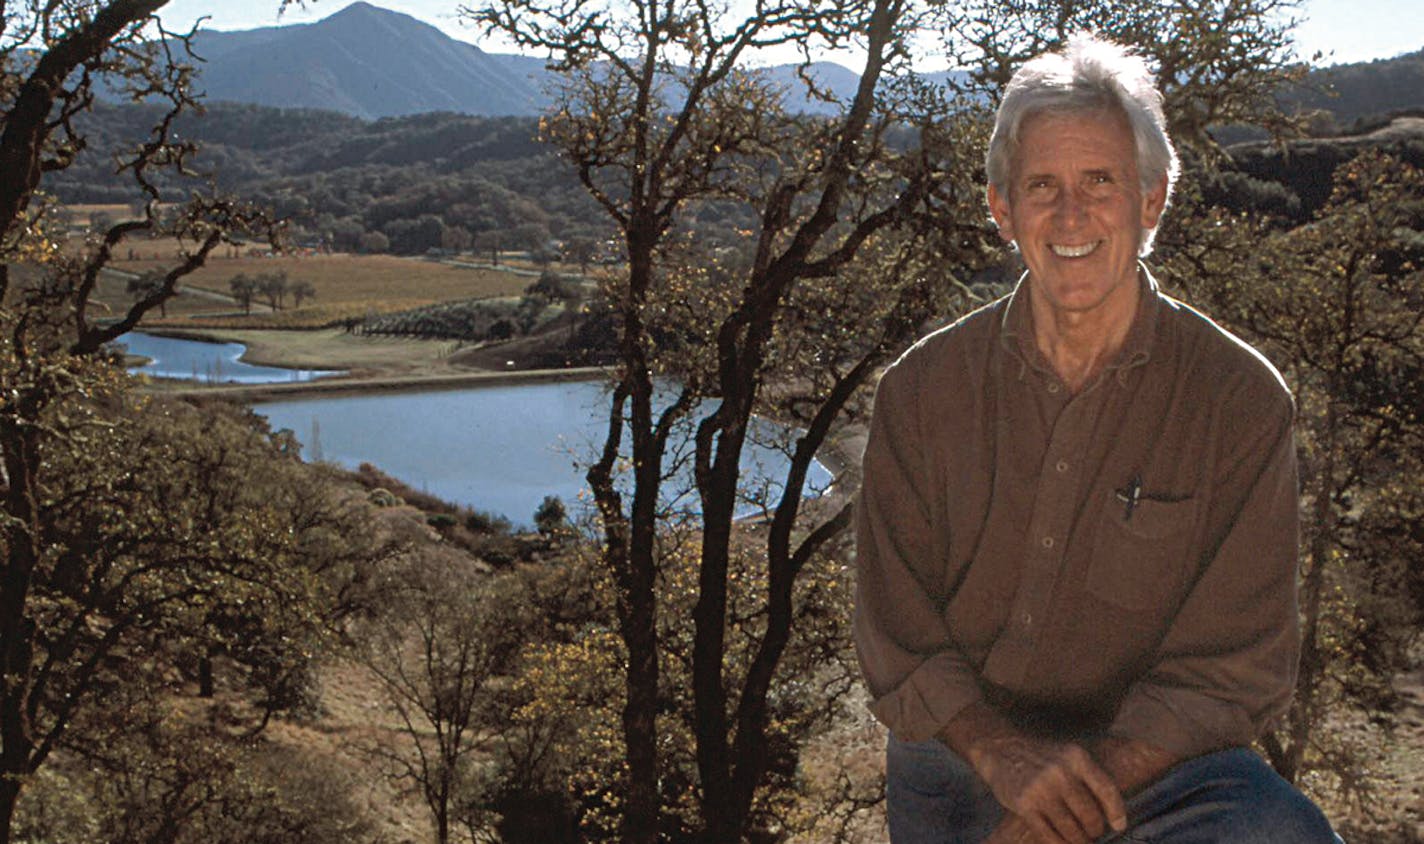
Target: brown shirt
x,y
1119,561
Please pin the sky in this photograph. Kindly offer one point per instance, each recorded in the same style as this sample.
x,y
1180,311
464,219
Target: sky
x,y
1344,30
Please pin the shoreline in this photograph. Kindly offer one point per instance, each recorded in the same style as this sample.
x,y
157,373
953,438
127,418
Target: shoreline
x,y
336,386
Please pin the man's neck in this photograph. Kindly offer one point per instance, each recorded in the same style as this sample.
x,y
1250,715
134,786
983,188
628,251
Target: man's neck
x,y
1079,344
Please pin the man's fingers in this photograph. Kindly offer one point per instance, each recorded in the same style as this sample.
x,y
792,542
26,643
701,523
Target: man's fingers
x,y
1082,805
1104,790
1043,832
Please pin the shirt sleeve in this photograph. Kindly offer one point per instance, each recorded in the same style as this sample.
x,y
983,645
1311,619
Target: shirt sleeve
x,y
1227,666
917,678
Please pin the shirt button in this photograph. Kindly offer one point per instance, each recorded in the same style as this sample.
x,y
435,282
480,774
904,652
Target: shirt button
x,y
1053,388
1048,542
1062,466
1027,619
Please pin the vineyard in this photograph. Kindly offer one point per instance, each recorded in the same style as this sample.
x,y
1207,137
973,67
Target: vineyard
x,y
471,320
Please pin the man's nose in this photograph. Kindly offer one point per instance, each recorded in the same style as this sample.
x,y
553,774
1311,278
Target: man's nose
x,y
1072,207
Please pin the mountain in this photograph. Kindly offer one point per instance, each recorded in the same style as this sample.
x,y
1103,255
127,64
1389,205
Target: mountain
x,y
367,62
370,62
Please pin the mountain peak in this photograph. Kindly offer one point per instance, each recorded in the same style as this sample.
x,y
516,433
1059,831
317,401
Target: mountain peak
x,y
366,61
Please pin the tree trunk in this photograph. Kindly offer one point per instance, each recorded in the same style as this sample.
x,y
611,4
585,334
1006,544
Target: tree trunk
x,y
9,797
721,820
205,677
638,605
1312,662
22,460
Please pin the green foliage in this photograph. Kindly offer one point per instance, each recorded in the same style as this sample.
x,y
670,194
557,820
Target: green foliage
x,y
555,287
480,521
387,185
472,320
550,516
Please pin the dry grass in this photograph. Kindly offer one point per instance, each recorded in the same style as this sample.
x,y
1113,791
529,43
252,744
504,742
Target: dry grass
x,y
305,317
339,278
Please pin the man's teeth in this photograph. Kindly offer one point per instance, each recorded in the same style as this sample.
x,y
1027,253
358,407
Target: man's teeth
x,y
1074,251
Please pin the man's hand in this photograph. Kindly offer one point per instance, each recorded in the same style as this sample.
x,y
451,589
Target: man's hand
x,y
1056,790
1011,830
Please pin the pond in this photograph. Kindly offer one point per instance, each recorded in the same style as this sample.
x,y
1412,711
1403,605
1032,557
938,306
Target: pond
x,y
498,449
208,363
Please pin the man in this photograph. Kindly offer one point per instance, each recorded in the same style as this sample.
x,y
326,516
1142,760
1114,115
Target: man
x,y
1077,532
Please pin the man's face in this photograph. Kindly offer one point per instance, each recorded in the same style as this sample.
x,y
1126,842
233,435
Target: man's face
x,y
1075,207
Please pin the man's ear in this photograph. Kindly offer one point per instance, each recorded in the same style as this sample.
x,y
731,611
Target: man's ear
x,y
1153,204
999,208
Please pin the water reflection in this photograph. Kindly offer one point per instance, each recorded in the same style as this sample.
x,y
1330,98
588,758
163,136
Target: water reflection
x,y
207,363
500,449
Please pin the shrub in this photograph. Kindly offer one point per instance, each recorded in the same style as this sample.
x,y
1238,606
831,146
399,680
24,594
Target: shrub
x,y
382,497
551,515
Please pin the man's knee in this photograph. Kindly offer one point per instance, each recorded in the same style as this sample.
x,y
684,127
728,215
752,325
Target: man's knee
x,y
1277,813
1230,796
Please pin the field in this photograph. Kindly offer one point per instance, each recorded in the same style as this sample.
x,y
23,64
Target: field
x,y
339,279
348,288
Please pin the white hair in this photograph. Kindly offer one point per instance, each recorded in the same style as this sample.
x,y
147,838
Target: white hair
x,y
1090,74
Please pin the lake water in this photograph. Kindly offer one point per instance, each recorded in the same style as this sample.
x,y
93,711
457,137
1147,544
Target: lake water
x,y
208,363
499,449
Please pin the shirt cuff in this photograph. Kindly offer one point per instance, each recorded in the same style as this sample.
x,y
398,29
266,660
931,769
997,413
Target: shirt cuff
x,y
1181,722
939,689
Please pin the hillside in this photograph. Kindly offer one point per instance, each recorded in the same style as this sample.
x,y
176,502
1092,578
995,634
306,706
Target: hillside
x,y
366,62
1363,90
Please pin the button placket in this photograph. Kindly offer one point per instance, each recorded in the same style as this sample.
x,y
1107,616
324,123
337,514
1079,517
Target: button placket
x,y
1049,523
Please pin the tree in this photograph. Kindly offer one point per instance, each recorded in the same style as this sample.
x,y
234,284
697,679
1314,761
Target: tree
x,y
275,287
580,250
143,286
445,635
456,239
375,243
243,290
490,241
530,237
301,289
550,517
1217,63
852,231
99,569
1338,305
653,131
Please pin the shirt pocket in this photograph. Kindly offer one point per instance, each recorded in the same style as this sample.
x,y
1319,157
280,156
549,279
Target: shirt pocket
x,y
1139,559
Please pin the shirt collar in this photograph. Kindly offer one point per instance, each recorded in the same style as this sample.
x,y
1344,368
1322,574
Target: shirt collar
x,y
1017,329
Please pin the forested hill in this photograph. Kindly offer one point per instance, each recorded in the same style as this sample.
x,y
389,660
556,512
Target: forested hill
x,y
427,181
1365,89
417,181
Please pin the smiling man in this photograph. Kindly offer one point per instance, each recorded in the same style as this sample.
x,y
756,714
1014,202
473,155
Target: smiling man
x,y
1076,539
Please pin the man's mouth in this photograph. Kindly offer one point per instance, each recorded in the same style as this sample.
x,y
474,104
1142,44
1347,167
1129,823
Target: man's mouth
x,y
1065,251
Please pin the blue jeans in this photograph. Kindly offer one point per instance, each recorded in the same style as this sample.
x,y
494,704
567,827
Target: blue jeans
x,y
934,797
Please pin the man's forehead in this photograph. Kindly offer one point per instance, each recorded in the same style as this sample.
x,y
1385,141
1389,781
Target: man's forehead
x,y
1087,140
